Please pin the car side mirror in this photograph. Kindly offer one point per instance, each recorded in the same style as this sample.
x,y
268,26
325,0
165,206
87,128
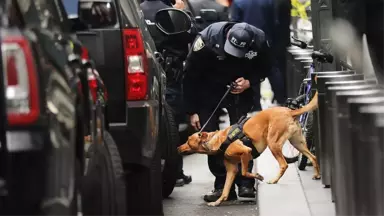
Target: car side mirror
x,y
172,21
77,24
209,15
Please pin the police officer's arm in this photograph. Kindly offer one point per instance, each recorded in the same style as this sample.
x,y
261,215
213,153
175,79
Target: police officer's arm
x,y
193,69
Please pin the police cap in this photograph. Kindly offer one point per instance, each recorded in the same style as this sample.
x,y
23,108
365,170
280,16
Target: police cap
x,y
239,40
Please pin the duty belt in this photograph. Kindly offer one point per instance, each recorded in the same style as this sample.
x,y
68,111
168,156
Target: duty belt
x,y
236,133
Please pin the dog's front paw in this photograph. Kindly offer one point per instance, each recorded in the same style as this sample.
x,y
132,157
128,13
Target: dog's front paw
x,y
213,204
272,182
316,177
260,177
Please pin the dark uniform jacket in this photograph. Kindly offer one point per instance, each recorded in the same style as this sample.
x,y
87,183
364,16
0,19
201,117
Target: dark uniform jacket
x,y
209,69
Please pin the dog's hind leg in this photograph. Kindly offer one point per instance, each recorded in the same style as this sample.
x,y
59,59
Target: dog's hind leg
x,y
231,174
276,142
246,156
299,142
277,153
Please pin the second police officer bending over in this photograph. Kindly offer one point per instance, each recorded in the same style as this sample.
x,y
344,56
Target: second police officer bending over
x,y
223,53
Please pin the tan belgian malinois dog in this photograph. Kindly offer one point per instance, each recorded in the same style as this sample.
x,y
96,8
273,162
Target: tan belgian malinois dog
x,y
271,127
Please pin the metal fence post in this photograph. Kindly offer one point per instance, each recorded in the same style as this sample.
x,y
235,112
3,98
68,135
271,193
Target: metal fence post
x,y
343,149
316,137
324,148
331,88
362,162
322,16
370,138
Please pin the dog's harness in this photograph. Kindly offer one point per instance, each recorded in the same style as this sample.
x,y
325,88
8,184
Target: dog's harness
x,y
236,133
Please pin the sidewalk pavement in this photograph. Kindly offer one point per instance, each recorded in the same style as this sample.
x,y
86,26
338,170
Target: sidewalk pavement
x,y
296,194
188,200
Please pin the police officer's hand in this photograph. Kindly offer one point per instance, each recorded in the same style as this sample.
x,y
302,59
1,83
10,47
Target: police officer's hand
x,y
241,85
179,5
195,121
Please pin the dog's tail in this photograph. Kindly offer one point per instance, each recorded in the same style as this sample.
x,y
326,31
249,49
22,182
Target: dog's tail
x,y
312,105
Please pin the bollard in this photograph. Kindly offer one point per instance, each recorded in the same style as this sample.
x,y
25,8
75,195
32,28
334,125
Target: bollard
x,y
370,136
316,138
324,152
379,123
292,67
297,76
363,190
333,87
300,72
293,54
328,102
343,151
330,93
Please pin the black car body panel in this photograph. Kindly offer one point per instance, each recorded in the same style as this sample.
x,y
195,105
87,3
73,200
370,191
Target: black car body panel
x,y
37,177
39,158
2,132
110,64
133,124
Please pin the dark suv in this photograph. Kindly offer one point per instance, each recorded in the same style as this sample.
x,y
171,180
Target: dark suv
x,y
139,119
51,95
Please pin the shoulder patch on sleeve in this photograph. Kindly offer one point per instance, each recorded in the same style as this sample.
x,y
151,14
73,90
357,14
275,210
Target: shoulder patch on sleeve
x,y
198,45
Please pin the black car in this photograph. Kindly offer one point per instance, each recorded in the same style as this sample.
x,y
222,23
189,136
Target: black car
x,y
207,12
50,115
139,119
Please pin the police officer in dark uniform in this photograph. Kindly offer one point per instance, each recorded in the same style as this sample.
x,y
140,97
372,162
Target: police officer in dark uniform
x,y
223,53
261,14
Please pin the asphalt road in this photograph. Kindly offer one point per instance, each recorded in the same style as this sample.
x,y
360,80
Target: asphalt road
x,y
188,200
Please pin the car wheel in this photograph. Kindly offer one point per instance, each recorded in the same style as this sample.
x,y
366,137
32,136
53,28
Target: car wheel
x,y
103,183
169,139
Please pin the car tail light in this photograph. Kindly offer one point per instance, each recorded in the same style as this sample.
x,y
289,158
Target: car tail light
x,y
92,82
136,65
84,53
20,81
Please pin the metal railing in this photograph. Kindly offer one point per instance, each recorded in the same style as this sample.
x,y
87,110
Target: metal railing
x,y
349,138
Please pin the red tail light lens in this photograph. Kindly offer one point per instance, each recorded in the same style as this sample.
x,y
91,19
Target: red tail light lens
x,y
136,65
92,82
20,81
84,53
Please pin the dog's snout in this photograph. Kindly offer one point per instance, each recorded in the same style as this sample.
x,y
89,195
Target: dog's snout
x,y
183,148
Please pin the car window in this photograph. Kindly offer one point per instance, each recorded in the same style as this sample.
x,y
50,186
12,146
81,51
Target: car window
x,y
98,14
71,6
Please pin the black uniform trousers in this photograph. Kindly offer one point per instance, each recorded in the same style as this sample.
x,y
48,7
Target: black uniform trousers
x,y
277,82
173,96
215,162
